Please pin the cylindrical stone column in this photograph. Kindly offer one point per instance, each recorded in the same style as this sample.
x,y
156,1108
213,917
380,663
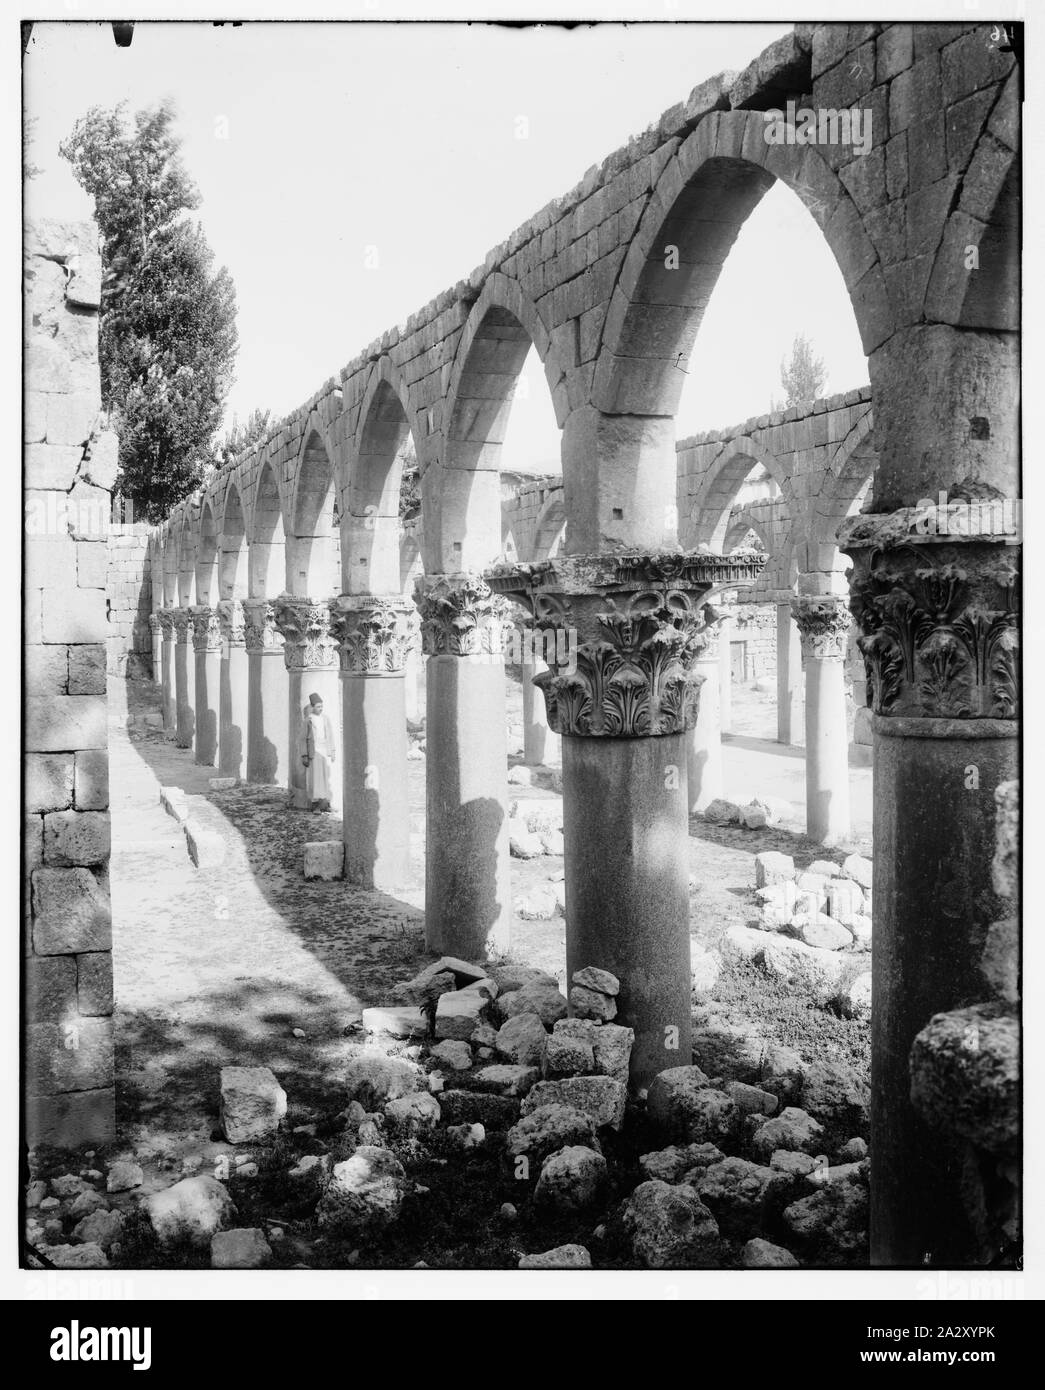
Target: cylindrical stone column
x,y
788,675
938,614
310,654
184,679
156,635
267,701
375,635
467,875
625,704
412,682
725,669
704,744
206,644
233,698
167,694
823,622
540,744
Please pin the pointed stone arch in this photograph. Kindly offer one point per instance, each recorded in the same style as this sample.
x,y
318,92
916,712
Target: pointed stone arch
x,y
370,527
267,546
313,562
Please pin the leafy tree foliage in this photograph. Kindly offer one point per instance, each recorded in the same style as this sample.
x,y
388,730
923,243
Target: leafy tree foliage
x,y
804,375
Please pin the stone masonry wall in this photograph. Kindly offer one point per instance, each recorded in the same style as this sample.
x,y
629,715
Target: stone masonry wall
x,y
70,467
130,598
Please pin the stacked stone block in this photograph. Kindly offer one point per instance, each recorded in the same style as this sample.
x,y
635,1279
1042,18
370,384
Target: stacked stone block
x,y
130,598
70,468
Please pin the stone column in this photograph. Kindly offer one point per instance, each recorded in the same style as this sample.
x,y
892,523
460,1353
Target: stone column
x,y
468,908
788,675
267,701
823,622
540,745
184,679
234,683
725,668
310,654
412,682
625,706
940,636
704,746
170,719
156,635
375,636
206,643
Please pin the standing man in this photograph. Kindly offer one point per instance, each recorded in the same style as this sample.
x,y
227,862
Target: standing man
x,y
318,753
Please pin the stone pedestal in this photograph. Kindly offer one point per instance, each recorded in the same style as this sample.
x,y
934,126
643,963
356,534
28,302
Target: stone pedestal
x,y
823,622
704,745
267,702
939,639
625,712
467,877
233,698
184,679
310,654
165,618
788,675
375,637
156,635
206,644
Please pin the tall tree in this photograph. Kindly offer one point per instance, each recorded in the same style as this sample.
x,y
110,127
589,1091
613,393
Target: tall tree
x,y
804,375
239,437
167,332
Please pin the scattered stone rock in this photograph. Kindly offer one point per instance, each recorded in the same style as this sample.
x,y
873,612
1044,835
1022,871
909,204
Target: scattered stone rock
x,y
465,1137
772,867
453,1053
845,900
683,1105
965,1075
522,1040
413,1113
738,1194
310,1168
817,929
567,1056
90,1256
853,1150
837,1093
612,1044
601,1097
50,1204
591,977
832,1221
86,1202
508,1211
808,967
752,1100
544,1000
562,1257
458,1012
252,1104
372,1079
753,816
123,1176
670,1227
68,1185
104,1228
364,1194
570,1179
705,968
791,1129
1000,962
589,1003
511,977
506,1079
35,1192
763,1254
324,860
824,1174
670,1165
860,926
855,1001
475,1107
523,843
540,904
722,812
192,1210
242,1248
856,867
792,1163
543,1131
392,1021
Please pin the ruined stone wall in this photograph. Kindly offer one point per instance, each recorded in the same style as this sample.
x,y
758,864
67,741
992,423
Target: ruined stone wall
x,y
129,587
70,468
755,625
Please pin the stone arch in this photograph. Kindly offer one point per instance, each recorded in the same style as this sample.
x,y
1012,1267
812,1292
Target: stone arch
x,y
209,539
410,563
710,504
462,497
702,198
267,552
549,533
186,530
741,523
312,545
170,567
846,483
233,564
370,527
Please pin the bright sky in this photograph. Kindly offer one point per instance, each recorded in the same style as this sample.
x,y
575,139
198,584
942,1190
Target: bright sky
x,y
319,148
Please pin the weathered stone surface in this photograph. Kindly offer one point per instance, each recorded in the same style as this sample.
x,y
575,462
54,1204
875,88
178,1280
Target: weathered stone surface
x,y
562,1257
683,1105
566,1056
589,1003
542,1131
858,868
414,1113
90,1256
507,1079
474,1107
673,1163
612,1044
601,1097
853,1150
193,1210
845,900
252,1104
453,1053
523,843
772,867
538,998
705,968
792,1163
965,1075
601,981
832,1221
458,1012
242,1248
373,1079
791,1129
324,860
855,1000
402,1021
104,1228
721,812
752,1100
738,1194
670,1228
810,967
763,1254
1000,962
364,1194
570,1179
123,1175
836,1091
511,976
816,929
522,1039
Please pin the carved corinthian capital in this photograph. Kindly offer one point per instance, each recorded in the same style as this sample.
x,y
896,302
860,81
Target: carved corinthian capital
x,y
206,630
939,618
375,634
823,623
460,615
259,626
308,643
635,628
182,625
165,618
233,622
